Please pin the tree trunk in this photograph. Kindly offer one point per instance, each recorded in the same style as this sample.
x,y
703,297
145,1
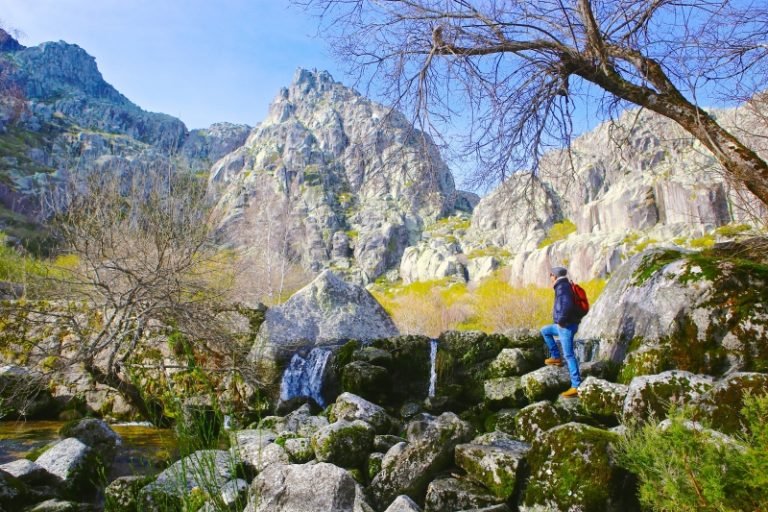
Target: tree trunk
x,y
151,411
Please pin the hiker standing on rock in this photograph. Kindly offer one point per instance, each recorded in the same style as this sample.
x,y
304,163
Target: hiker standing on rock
x,y
567,317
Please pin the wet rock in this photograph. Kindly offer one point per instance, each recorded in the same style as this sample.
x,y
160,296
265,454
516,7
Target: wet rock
x,y
365,379
344,443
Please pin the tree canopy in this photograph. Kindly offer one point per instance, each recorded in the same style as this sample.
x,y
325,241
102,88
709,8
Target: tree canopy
x,y
519,68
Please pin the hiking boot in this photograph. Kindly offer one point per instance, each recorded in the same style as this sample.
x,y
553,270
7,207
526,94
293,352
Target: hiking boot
x,y
571,393
553,361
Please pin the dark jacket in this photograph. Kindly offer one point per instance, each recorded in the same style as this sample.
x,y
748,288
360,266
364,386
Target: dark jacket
x,y
565,311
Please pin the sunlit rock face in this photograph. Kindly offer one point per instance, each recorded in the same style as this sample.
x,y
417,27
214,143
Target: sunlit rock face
x,y
333,162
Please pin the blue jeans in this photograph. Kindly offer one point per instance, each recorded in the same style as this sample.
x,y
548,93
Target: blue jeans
x,y
566,335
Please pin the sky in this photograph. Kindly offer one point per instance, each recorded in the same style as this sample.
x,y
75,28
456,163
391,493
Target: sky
x,y
202,61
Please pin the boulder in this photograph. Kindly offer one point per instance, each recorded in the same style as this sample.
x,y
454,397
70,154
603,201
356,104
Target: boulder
x,y
456,494
351,407
410,367
30,473
56,505
24,394
403,504
532,421
205,471
233,496
545,383
652,395
374,356
73,463
301,422
602,399
702,312
572,468
512,362
505,420
721,406
504,392
385,442
305,488
299,450
494,460
13,493
365,379
344,443
432,259
251,444
408,468
122,494
97,435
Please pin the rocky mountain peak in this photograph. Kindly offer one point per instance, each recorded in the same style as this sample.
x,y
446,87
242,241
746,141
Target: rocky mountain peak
x,y
8,43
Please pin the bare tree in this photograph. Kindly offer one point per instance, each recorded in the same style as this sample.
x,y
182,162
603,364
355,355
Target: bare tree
x,y
144,262
522,67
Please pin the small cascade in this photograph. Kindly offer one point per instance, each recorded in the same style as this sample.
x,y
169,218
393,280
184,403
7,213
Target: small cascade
x,y
227,422
586,351
304,377
432,368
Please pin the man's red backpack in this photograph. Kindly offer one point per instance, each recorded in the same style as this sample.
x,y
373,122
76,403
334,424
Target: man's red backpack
x,y
580,299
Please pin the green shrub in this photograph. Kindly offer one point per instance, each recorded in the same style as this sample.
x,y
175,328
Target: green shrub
x,y
683,468
557,232
730,230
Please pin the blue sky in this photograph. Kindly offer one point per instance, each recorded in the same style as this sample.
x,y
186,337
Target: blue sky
x,y
199,60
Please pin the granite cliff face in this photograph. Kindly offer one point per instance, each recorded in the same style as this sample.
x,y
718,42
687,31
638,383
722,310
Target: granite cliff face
x,y
353,180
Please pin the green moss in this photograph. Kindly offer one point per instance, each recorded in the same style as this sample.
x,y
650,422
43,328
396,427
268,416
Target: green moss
x,y
558,231
731,230
652,263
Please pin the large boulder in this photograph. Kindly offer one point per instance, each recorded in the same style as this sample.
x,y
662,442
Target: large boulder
x,y
408,468
327,311
409,367
306,488
24,394
257,448
602,399
535,419
504,392
546,382
205,471
365,379
403,504
494,460
572,468
652,395
456,494
97,435
351,407
73,463
703,312
344,443
721,406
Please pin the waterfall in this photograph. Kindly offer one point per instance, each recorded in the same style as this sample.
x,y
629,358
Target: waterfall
x,y
432,367
304,377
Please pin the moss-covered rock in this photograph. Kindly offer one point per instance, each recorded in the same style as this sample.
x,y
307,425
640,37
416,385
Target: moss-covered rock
x,y
495,461
545,383
506,392
351,407
383,443
721,406
374,356
602,399
652,395
456,494
122,494
408,468
505,420
365,379
344,443
410,367
709,314
512,362
532,421
374,464
299,450
572,468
